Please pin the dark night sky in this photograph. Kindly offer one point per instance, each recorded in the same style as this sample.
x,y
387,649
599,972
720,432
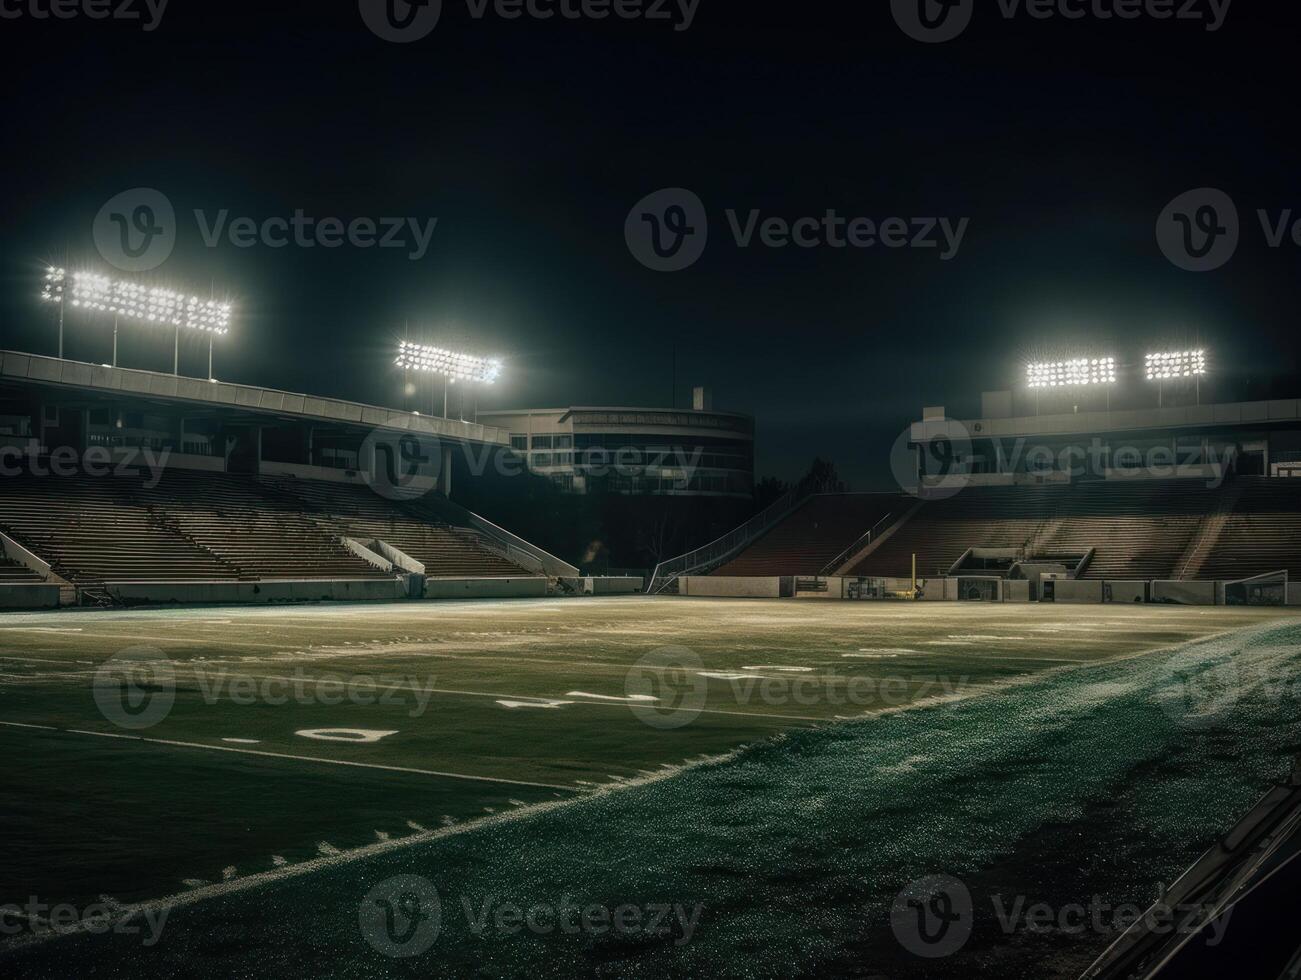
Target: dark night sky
x,y
531,140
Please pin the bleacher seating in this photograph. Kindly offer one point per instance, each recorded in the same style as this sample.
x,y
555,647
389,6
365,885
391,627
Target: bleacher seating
x,y
444,550
816,533
1140,529
258,532
940,531
1136,529
1261,535
90,529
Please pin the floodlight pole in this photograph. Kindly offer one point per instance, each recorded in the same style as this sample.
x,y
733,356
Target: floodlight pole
x,y
115,340
447,383
210,338
176,355
62,301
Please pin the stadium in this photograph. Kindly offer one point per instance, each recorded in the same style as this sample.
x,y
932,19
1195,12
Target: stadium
x,y
239,592
576,589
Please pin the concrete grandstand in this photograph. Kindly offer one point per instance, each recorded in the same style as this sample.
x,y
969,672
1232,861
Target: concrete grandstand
x,y
131,486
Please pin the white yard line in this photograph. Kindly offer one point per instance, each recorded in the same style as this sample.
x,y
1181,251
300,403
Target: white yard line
x,y
309,758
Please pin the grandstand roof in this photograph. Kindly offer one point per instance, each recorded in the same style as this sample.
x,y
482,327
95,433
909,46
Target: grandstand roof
x,y
96,378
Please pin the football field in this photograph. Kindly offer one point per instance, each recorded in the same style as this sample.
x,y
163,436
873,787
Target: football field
x,y
169,756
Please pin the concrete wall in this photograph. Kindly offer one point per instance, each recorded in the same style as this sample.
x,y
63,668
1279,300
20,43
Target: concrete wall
x,y
326,474
485,588
1186,593
29,596
196,593
1294,593
1016,590
717,586
1077,591
614,586
1125,592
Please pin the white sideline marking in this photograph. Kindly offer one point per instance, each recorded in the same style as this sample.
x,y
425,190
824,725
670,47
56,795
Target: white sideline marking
x,y
39,629
243,741
785,670
610,697
39,660
14,724
309,758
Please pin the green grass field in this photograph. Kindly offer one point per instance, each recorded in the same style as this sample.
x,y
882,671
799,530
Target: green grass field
x,y
584,745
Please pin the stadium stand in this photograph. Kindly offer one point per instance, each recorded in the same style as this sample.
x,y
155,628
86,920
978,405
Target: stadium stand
x,y
90,530
444,550
1132,529
1261,535
815,534
1140,530
942,530
211,527
251,529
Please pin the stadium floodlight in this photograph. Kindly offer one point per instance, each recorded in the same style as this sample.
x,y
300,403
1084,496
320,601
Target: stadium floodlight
x,y
1176,364
146,304
1074,373
451,365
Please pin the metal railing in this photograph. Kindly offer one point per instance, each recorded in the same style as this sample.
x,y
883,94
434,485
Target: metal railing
x,y
862,542
716,552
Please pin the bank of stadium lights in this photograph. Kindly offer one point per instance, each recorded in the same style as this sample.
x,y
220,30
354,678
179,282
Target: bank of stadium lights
x,y
118,297
451,365
1072,374
1176,364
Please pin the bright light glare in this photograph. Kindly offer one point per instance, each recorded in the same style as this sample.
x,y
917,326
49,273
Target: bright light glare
x,y
1177,364
99,294
453,366
1069,374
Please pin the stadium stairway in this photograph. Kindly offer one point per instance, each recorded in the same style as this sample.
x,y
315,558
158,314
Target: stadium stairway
x,y
12,573
816,533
